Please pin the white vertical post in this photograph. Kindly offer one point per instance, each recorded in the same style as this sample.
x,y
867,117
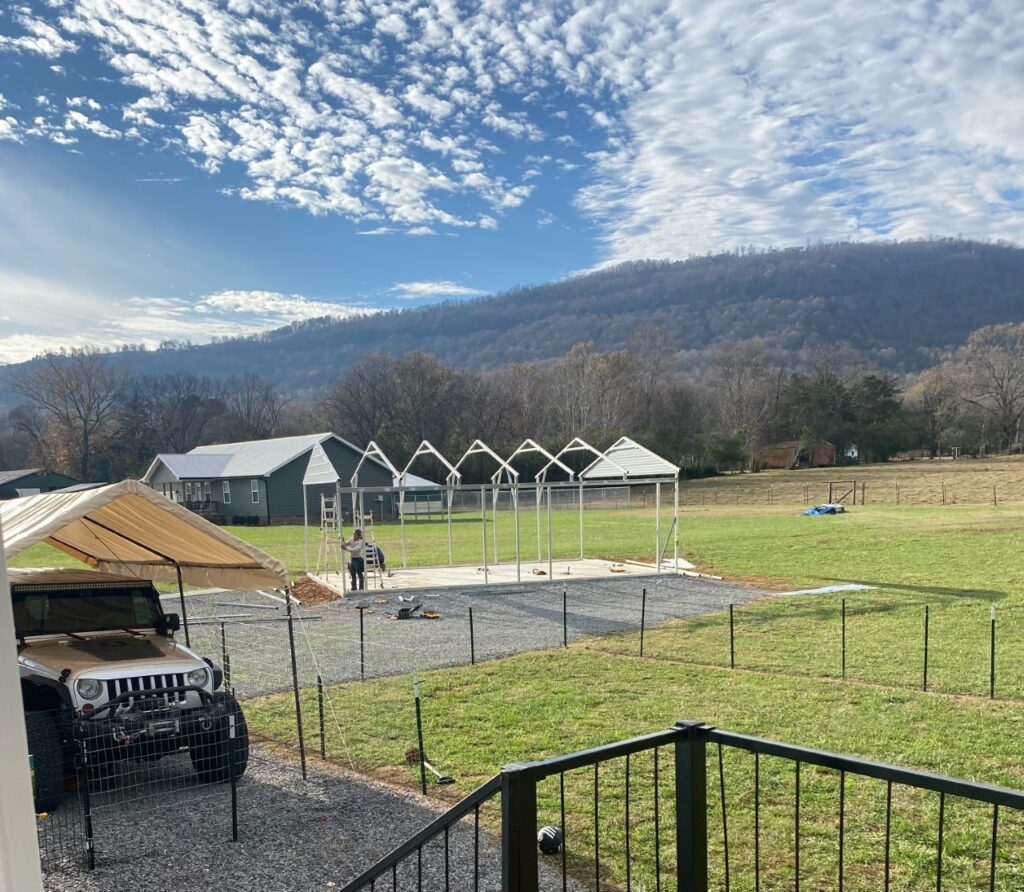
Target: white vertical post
x,y
495,496
341,531
657,525
581,520
305,526
401,517
451,495
483,532
675,526
536,496
551,565
19,842
515,512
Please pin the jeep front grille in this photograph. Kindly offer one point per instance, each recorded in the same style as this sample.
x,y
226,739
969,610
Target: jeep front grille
x,y
143,683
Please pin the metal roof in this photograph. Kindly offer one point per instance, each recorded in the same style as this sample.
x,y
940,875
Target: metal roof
x,y
319,470
11,476
252,458
626,458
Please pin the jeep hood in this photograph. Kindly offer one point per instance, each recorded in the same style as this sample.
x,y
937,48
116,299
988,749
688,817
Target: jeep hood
x,y
109,654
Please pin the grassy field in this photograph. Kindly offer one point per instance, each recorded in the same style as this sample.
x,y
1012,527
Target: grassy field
x,y
958,560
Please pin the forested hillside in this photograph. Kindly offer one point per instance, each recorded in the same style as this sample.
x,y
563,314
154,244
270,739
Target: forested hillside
x,y
898,306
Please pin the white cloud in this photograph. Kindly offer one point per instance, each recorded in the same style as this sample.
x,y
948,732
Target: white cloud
x,y
276,307
422,290
701,127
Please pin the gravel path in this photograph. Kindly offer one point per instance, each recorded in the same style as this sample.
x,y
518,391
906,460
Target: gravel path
x,y
506,620
293,836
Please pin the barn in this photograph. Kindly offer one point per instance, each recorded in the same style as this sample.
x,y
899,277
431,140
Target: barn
x,y
256,481
796,454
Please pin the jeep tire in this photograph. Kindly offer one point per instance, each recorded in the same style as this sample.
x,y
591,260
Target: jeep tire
x,y
211,754
47,759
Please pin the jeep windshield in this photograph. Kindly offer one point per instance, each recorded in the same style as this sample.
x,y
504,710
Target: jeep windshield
x,y
82,609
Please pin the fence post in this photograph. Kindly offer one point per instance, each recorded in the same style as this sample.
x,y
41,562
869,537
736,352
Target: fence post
x,y
518,829
643,619
472,640
227,672
295,683
82,770
732,639
844,638
223,644
362,643
992,658
691,807
233,774
897,493
925,684
419,735
565,618
995,502
320,710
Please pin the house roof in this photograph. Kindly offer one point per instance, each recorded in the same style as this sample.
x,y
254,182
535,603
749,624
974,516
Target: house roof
x,y
251,458
11,476
627,458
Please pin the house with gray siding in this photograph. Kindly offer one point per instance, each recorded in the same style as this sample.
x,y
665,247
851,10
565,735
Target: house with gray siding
x,y
259,481
31,482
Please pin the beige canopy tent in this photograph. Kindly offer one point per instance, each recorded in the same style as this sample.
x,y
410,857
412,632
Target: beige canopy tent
x,y
130,530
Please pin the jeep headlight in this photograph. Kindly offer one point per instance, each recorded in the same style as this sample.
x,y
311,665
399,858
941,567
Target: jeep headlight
x,y
88,688
199,677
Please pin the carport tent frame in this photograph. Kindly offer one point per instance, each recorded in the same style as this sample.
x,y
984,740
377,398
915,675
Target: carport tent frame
x,y
626,462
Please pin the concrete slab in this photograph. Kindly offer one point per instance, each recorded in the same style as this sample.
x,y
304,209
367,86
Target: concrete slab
x,y
500,574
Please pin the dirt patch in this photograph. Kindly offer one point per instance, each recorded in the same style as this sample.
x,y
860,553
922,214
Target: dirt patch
x,y
308,591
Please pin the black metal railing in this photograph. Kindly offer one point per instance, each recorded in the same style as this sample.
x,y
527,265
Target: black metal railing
x,y
689,866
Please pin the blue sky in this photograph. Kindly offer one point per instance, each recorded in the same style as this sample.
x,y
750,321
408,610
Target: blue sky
x,y
173,169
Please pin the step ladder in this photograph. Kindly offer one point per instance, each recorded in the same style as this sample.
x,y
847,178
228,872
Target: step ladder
x,y
374,577
329,554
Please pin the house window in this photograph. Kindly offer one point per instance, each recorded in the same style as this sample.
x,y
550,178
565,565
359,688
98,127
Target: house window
x,y
227,492
254,486
188,492
207,485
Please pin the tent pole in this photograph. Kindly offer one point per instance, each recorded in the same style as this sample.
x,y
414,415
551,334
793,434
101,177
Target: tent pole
x,y
451,493
181,598
536,498
515,512
341,531
483,532
657,525
495,497
305,525
581,520
551,559
675,524
401,520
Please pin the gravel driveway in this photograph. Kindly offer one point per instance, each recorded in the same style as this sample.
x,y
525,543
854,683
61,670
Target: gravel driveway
x,y
506,620
294,836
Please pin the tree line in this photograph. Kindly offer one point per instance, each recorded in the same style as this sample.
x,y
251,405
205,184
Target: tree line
x,y
84,416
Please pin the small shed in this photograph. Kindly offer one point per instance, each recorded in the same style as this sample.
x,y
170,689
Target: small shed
x,y
796,454
32,482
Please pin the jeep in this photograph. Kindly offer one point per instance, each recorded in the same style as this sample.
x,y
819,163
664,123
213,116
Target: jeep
x,y
102,672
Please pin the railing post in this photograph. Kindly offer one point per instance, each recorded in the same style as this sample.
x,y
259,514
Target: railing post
x,y
692,808
518,829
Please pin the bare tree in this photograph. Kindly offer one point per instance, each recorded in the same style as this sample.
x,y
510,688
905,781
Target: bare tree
x,y
360,403
991,364
77,394
253,407
654,358
747,384
182,409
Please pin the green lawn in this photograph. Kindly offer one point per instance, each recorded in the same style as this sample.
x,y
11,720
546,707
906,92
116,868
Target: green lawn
x,y
958,560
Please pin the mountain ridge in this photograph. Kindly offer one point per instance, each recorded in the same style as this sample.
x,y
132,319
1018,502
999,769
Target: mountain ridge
x,y
897,305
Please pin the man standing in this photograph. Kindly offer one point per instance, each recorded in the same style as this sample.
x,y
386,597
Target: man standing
x,y
356,547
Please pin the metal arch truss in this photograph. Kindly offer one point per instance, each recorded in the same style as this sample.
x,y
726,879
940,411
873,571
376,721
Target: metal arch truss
x,y
479,447
577,444
374,451
528,446
426,448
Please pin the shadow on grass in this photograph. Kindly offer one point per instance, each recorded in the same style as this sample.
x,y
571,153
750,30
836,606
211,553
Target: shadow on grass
x,y
942,591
